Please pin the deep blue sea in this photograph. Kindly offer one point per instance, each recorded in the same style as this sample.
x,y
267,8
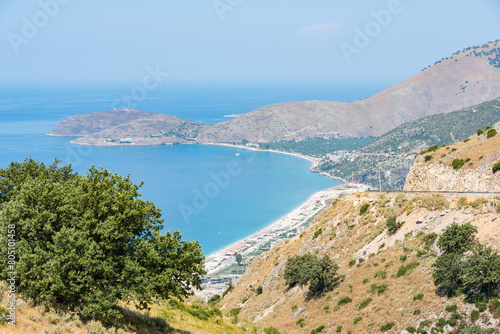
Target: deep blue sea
x,y
208,193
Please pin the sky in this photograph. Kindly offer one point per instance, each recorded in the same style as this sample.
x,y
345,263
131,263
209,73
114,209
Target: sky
x,y
65,42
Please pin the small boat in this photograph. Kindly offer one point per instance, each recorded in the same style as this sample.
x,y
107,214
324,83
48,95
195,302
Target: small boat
x,y
237,154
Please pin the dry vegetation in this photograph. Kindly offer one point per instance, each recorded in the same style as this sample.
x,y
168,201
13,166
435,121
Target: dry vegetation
x,y
387,276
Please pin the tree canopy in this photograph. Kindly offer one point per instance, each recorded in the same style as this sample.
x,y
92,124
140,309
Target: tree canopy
x,y
84,243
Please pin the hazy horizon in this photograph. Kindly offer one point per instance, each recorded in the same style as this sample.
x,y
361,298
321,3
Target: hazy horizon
x,y
56,42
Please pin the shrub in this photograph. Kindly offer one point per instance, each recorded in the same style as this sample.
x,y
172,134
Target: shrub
x,y
466,140
365,303
417,312
435,202
387,327
462,201
381,274
498,208
352,262
474,315
317,233
344,300
403,258
318,329
301,322
476,330
365,281
380,289
357,320
481,306
428,158
429,239
451,308
496,167
491,133
480,132
458,163
418,296
433,148
259,290
338,329
235,311
214,299
294,307
393,225
406,270
494,307
411,329
452,321
326,308
271,330
364,209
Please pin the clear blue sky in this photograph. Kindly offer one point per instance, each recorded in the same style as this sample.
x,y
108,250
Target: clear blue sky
x,y
114,41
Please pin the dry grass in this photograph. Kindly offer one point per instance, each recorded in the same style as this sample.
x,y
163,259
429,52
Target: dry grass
x,y
347,235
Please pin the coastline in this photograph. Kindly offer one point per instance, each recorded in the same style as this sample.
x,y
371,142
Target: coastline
x,y
293,222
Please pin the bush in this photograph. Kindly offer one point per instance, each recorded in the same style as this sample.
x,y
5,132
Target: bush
x,y
452,321
462,201
480,132
344,300
474,316
418,296
428,158
381,274
365,281
393,225
491,133
259,290
481,306
365,303
338,329
417,312
357,320
301,322
451,308
317,233
411,329
476,330
406,270
352,262
271,330
458,163
380,289
387,327
318,329
364,209
403,258
235,311
214,299
496,167
429,239
320,274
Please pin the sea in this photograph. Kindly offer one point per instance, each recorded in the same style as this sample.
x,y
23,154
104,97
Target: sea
x,y
216,195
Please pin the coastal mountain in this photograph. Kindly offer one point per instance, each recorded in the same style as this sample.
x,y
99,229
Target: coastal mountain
x,y
472,165
128,126
466,78
393,153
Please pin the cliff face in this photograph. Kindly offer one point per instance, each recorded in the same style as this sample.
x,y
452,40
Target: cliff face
x,y
465,79
465,166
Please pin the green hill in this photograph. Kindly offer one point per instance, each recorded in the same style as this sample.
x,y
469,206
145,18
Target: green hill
x,y
394,151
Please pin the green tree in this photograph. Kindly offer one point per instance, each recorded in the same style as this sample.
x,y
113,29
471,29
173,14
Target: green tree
x,y
457,238
85,243
447,273
238,258
482,269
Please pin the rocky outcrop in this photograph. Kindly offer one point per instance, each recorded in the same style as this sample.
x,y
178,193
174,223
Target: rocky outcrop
x,y
473,172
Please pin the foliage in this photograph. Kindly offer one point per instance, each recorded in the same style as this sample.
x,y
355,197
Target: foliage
x,y
235,311
451,308
357,320
238,258
259,290
457,238
317,146
229,288
429,239
317,233
476,330
364,209
84,243
418,296
387,327
406,270
480,132
411,329
344,300
380,289
496,167
214,299
393,225
434,202
481,270
352,262
320,274
428,158
458,163
474,316
381,274
365,303
318,329
491,133
338,329
271,330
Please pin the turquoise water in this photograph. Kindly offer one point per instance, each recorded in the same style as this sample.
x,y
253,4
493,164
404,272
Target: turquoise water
x,y
208,193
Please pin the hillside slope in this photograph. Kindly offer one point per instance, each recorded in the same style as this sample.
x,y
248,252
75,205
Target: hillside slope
x,y
384,273
395,151
467,78
463,166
